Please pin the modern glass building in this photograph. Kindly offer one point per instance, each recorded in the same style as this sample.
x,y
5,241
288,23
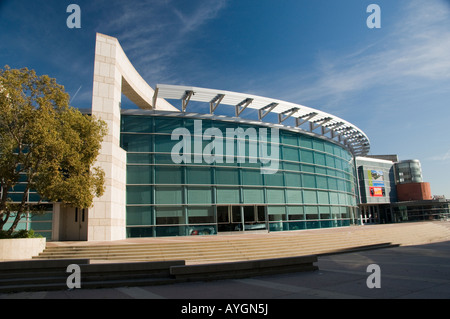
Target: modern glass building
x,y
175,171
312,185
392,191
376,189
408,171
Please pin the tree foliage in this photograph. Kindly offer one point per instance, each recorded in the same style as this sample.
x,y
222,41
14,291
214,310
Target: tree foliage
x,y
46,145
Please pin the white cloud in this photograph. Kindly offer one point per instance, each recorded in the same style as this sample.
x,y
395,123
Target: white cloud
x,y
416,51
155,33
192,21
152,33
440,158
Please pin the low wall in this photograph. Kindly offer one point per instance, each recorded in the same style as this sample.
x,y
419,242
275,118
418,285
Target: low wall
x,y
21,248
243,269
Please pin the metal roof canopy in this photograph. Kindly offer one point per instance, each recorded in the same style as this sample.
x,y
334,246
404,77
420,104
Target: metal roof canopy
x,y
339,130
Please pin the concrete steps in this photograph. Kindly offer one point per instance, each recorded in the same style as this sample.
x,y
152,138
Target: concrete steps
x,y
156,261
207,249
45,275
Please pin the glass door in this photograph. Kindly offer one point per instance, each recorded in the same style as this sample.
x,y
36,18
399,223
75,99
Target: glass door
x,y
223,218
238,218
254,217
229,218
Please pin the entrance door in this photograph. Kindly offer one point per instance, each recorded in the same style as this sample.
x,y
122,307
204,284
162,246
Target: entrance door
x,y
75,224
229,218
254,217
237,218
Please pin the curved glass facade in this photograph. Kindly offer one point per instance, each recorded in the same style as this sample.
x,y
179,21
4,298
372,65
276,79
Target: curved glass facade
x,y
188,176
408,171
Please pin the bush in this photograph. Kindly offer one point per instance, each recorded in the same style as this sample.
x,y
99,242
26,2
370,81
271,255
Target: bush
x,y
19,234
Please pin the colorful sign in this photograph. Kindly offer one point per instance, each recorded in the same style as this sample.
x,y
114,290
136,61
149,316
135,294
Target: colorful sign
x,y
376,183
376,191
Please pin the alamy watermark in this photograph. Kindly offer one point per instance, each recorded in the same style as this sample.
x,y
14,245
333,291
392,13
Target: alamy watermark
x,y
74,279
74,19
374,279
251,144
374,19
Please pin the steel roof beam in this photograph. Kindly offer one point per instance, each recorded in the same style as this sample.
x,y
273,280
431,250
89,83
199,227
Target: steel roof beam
x,y
185,99
331,128
214,103
305,118
262,112
242,106
286,114
319,123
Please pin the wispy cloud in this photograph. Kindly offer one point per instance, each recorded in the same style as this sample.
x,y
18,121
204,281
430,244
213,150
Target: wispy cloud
x,y
191,21
416,51
440,158
153,33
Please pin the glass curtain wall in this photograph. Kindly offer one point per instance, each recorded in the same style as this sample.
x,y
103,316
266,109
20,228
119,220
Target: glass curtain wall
x,y
408,171
313,185
40,223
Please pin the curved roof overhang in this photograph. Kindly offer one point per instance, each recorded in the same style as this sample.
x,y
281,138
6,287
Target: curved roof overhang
x,y
315,121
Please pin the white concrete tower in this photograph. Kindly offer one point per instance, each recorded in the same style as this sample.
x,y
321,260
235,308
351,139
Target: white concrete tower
x,y
114,75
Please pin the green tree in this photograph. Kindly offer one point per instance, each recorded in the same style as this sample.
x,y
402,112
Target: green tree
x,y
46,145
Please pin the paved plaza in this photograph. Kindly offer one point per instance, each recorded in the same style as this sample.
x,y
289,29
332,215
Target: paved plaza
x,y
406,272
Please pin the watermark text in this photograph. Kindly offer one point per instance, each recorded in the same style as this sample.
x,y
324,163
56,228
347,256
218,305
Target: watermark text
x,y
374,19
74,19
236,144
74,279
374,279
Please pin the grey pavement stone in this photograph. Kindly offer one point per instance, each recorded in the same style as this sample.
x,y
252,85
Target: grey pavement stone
x,y
411,272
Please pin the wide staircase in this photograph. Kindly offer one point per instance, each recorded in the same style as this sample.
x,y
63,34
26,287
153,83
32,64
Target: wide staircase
x,y
156,261
253,246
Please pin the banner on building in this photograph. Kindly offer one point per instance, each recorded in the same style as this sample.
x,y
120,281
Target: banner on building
x,y
376,183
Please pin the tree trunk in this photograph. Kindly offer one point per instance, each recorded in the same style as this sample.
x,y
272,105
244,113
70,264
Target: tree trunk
x,y
16,222
4,213
20,211
4,219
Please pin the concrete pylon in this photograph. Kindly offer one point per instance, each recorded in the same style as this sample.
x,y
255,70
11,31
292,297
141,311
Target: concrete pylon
x,y
114,75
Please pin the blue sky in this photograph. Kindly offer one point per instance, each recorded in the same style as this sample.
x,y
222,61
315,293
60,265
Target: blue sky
x,y
392,82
